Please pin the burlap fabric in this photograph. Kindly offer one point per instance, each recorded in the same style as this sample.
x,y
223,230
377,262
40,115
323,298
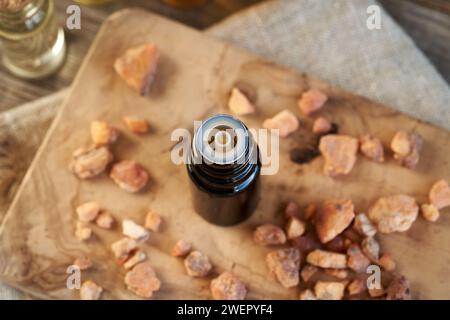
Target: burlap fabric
x,y
326,38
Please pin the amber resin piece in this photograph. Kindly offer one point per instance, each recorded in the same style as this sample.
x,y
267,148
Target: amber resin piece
x,y
356,260
89,163
363,225
295,228
371,148
153,221
440,194
269,234
307,242
376,292
129,175
197,264
309,211
90,291
239,104
105,220
393,213
137,66
357,286
103,133
387,262
339,152
285,121
337,273
327,259
137,257
228,287
123,247
371,248
181,248
308,272
88,211
82,232
134,231
406,147
429,212
142,280
307,294
321,126
136,124
325,290
336,245
333,217
285,265
311,101
401,143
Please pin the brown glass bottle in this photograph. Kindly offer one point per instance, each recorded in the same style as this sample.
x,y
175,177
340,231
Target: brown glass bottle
x,y
224,169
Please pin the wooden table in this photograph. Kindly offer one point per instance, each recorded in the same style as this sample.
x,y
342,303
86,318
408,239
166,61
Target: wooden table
x,y
426,21
37,240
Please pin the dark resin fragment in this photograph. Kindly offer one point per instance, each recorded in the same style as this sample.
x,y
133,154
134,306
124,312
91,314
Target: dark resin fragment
x,y
303,155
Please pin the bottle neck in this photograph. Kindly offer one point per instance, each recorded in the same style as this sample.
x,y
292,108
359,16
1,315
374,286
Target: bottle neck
x,y
229,178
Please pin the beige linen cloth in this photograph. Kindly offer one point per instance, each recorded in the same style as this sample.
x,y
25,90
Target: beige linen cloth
x,y
326,38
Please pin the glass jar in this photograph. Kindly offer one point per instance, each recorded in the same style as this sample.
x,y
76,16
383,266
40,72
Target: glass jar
x,y
32,44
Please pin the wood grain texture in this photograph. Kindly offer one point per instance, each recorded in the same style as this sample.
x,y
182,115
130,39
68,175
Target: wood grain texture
x,y
425,26
37,240
22,130
440,5
428,24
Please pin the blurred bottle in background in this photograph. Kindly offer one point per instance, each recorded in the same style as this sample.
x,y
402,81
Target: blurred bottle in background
x,y
32,44
93,2
186,4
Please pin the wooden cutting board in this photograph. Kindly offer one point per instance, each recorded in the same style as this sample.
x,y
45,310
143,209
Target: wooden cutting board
x,y
196,74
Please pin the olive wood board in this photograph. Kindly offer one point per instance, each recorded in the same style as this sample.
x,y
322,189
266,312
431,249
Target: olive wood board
x,y
194,79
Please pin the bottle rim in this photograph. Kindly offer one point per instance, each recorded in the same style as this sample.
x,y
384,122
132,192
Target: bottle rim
x,y
221,140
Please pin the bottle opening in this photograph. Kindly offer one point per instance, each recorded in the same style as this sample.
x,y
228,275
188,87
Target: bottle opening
x,y
222,140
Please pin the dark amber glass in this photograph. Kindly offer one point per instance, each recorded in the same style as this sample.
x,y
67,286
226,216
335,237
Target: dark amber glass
x,y
226,193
